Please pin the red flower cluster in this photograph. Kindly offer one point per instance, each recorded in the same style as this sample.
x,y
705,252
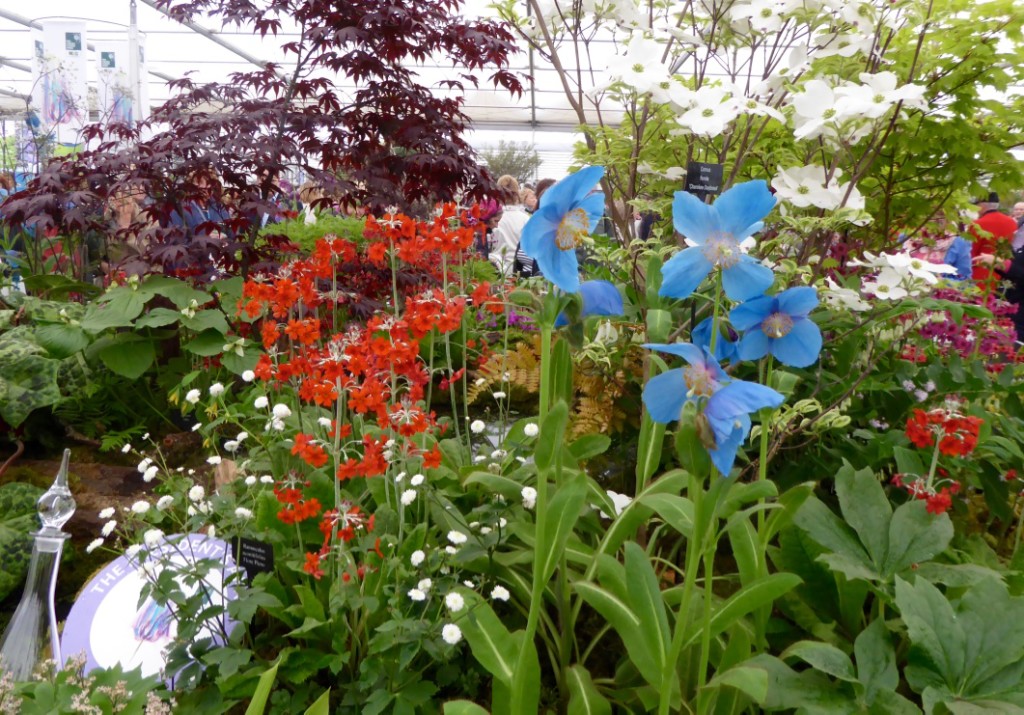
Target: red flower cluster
x,y
937,501
310,452
297,508
957,434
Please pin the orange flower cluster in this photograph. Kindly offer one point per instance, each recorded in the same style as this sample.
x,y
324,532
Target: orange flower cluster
x,y
308,451
937,501
371,364
297,508
957,434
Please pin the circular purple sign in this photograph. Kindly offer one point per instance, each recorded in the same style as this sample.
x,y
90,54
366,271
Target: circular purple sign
x,y
111,626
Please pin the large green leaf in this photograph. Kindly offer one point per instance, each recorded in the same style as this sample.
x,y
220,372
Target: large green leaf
x,y
128,355
646,602
259,698
824,658
492,644
584,697
562,514
648,458
866,510
876,660
28,378
627,624
845,551
176,290
18,519
915,536
116,309
552,433
760,593
674,510
61,340
462,707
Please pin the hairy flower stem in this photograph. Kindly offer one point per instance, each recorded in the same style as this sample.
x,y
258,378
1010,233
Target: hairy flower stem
x,y
693,553
545,372
766,420
714,314
448,357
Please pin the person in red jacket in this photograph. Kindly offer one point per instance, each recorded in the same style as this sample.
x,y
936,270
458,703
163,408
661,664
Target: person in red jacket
x,y
990,230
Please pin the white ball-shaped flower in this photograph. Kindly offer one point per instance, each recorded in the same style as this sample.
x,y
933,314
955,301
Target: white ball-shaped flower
x,y
282,411
248,376
457,537
192,396
417,557
454,602
416,480
417,595
152,537
140,507
531,429
451,634
163,502
93,545
106,513
150,473
408,496
243,513
477,426
108,528
261,402
196,493
216,389
500,593
529,497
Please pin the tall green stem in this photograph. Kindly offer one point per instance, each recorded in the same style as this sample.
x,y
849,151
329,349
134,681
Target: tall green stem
x,y
545,372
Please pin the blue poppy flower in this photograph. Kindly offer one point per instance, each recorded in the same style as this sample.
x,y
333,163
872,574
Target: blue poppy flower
x,y
778,324
726,403
599,298
701,337
568,212
718,230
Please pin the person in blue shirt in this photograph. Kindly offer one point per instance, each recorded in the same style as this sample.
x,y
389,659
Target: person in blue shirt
x,y
940,244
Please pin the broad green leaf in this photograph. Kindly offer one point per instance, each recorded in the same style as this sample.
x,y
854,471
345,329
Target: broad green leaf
x,y
550,439
938,639
322,705
18,519
206,320
561,372
762,592
746,549
207,343
908,461
584,697
117,308
626,624
751,681
823,657
28,378
129,356
495,484
635,513
831,532
648,457
525,689
174,289
562,513
61,340
915,536
462,707
590,445
492,644
646,602
876,660
259,698
158,318
674,510
866,510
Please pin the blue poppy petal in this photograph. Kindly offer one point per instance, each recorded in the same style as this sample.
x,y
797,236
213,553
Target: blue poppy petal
x,y
560,267
682,273
572,188
740,398
798,302
742,206
664,396
601,298
593,205
691,353
754,345
799,347
538,230
753,312
701,336
693,218
728,438
746,279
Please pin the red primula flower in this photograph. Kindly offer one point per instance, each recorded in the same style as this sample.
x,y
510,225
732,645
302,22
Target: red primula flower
x,y
312,565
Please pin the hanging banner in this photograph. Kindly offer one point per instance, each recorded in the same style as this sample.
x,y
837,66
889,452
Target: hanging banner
x,y
113,88
59,89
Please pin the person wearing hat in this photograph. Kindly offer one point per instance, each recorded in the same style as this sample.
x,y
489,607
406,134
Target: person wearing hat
x,y
990,230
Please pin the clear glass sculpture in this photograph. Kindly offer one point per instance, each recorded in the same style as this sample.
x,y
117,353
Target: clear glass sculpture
x,y
32,632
